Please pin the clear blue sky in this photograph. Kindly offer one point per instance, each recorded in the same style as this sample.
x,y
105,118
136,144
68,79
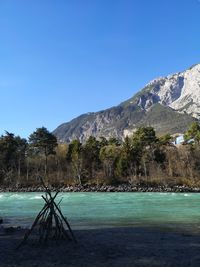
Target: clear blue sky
x,y
62,58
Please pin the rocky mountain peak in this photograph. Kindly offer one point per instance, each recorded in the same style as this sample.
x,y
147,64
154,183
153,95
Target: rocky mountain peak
x,y
169,104
180,91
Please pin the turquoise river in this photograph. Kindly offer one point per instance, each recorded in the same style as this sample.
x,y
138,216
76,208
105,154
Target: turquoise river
x,y
100,210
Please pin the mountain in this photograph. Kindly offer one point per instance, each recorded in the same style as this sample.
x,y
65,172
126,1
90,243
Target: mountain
x,y
169,104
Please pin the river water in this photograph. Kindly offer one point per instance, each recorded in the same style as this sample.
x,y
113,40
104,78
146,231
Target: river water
x,y
100,210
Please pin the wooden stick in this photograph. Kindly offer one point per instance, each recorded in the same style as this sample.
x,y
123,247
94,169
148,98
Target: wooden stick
x,y
32,227
65,220
48,219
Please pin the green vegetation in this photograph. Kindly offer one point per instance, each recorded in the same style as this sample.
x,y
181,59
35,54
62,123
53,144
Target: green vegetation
x,y
42,142
193,133
141,159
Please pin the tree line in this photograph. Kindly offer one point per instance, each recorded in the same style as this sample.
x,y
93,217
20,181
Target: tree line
x,y
140,159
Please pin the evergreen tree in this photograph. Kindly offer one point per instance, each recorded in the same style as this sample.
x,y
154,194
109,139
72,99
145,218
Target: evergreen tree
x,y
44,143
12,156
193,133
91,151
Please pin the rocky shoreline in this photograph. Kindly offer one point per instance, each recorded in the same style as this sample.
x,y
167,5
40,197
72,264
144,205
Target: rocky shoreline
x,y
106,188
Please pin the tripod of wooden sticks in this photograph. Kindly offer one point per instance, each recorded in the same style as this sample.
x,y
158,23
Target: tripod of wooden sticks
x,y
50,221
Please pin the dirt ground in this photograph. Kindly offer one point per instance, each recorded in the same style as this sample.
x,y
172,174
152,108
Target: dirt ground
x,y
119,247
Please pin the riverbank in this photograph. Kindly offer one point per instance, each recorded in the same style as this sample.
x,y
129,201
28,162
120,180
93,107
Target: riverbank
x,y
139,247
106,188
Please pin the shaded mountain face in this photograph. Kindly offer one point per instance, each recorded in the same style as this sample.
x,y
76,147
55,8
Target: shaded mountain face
x,y
168,104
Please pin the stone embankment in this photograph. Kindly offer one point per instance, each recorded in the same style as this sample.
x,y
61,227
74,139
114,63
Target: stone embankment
x,y
105,188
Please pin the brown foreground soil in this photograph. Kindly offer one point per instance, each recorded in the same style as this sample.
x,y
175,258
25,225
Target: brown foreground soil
x,y
119,247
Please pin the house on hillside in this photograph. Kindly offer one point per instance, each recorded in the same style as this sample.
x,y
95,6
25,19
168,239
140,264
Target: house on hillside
x,y
179,140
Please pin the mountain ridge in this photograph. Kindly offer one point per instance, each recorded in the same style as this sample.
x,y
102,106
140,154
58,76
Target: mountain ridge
x,y
169,104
